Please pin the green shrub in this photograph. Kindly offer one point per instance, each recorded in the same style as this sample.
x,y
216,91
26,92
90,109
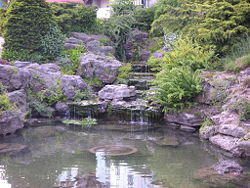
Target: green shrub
x,y
144,18
239,64
242,107
22,55
74,56
118,26
123,73
75,17
216,24
5,103
27,21
176,87
184,53
52,43
2,19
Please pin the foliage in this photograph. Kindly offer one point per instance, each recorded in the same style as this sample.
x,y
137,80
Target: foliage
x,y
85,123
27,22
213,24
123,73
2,19
45,98
176,87
119,25
5,103
239,64
86,94
183,53
52,43
73,55
242,107
21,55
236,59
74,17
144,18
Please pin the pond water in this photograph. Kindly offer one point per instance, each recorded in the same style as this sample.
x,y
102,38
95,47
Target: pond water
x,y
57,154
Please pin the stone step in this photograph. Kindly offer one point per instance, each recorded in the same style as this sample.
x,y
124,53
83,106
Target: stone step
x,y
141,76
140,84
141,67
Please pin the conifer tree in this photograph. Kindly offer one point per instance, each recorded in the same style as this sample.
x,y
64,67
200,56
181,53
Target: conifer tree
x,y
27,21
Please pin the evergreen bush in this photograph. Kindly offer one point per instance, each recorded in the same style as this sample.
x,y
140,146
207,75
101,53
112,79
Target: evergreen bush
x,y
28,30
75,17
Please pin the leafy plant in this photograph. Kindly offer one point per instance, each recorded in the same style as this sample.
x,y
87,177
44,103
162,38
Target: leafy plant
x,y
242,107
123,73
5,103
52,43
213,24
74,56
176,87
85,123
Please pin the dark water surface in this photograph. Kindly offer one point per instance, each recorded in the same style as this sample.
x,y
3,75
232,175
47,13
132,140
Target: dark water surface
x,y
57,154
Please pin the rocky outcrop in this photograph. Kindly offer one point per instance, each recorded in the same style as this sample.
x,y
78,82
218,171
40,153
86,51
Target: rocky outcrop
x,y
19,98
187,121
14,78
135,46
10,122
43,77
102,68
97,44
227,166
111,92
70,84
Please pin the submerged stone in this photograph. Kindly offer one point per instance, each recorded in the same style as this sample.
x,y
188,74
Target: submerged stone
x,y
114,150
166,141
10,148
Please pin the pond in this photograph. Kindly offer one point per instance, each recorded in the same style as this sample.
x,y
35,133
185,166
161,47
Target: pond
x,y
56,154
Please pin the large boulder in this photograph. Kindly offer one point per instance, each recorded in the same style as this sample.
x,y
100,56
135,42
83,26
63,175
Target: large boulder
x,y
227,166
70,84
184,118
135,46
10,122
97,44
14,78
43,77
19,98
121,91
98,67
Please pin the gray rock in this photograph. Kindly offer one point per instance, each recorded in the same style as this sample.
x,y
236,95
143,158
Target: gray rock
x,y
70,84
62,108
10,122
227,143
136,39
183,118
144,55
68,46
98,67
21,64
232,130
43,77
50,112
227,166
207,132
19,98
121,91
14,78
187,129
97,47
243,147
158,55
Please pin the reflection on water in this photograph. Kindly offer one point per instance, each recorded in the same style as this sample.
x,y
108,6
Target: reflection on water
x,y
3,179
57,155
120,175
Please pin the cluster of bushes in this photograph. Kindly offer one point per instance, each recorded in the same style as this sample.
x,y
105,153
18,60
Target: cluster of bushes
x,y
74,17
35,30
